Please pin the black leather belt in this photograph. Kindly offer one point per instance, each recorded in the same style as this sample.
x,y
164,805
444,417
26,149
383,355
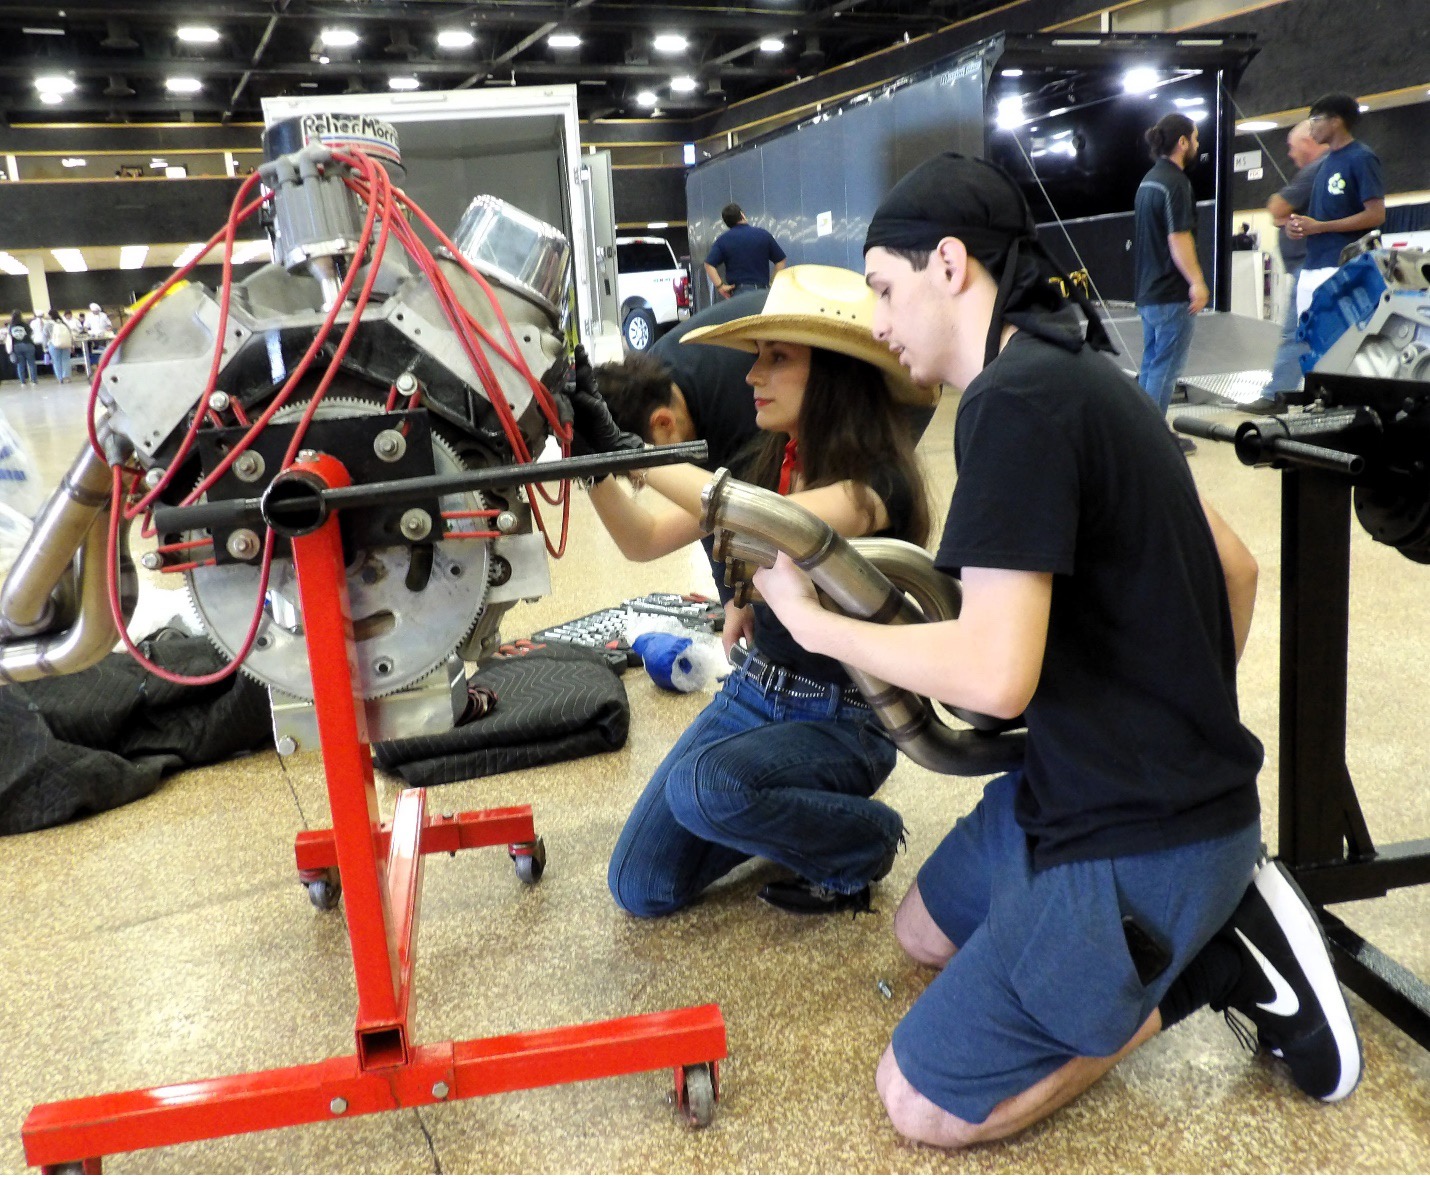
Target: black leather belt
x,y
774,676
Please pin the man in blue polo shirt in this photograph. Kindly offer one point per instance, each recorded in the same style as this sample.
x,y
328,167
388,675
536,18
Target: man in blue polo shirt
x,y
746,251
1348,199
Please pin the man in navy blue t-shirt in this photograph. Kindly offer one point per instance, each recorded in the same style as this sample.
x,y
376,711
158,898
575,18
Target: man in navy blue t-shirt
x,y
1348,199
746,251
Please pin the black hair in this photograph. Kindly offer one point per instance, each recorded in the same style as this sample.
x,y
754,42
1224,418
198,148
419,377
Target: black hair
x,y
731,214
1163,135
635,388
18,319
1342,106
849,428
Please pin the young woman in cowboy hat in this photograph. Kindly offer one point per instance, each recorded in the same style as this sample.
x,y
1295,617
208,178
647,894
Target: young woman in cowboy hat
x,y
783,763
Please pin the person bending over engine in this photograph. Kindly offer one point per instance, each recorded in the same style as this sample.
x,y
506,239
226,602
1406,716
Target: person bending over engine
x,y
784,761
1116,882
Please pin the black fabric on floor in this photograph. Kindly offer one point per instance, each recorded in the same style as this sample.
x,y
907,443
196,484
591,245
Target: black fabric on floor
x,y
552,705
79,744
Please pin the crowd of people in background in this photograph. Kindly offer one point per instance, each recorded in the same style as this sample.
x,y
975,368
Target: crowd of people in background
x,y
53,336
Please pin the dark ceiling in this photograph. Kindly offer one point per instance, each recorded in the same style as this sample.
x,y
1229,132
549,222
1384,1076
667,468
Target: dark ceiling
x,y
120,53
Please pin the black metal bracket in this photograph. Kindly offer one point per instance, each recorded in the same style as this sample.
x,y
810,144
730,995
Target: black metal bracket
x,y
1323,837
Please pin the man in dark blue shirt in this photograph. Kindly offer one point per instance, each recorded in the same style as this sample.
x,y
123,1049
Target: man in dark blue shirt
x,y
1170,288
1347,200
746,251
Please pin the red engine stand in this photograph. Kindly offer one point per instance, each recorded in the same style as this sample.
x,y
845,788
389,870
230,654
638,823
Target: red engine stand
x,y
380,869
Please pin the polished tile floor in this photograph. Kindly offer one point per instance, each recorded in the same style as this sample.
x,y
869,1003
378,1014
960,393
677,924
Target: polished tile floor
x,y
169,941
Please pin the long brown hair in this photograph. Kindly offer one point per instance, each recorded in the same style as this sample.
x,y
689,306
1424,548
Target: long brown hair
x,y
849,428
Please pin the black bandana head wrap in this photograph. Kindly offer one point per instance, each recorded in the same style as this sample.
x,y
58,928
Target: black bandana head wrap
x,y
980,204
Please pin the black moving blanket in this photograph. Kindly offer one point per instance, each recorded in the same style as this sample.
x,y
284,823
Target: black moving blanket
x,y
552,705
78,744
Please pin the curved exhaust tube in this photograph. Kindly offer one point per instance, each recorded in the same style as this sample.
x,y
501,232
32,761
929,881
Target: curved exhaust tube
x,y
54,608
752,524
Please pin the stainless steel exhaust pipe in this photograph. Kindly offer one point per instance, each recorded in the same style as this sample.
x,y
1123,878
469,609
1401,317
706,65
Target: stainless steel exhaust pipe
x,y
751,523
28,600
91,636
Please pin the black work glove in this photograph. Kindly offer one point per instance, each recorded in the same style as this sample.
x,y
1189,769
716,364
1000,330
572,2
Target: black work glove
x,y
593,430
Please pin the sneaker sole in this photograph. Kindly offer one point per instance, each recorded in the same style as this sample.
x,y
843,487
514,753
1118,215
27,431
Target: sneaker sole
x,y
1293,913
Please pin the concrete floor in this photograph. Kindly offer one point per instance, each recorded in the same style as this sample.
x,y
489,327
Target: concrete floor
x,y
169,941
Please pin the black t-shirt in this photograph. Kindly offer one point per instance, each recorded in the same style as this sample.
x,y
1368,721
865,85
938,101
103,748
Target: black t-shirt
x,y
777,645
1134,739
1164,205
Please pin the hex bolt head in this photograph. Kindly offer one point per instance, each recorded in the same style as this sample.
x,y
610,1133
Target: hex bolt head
x,y
338,1105
389,446
152,561
416,524
406,383
249,466
218,401
287,747
153,477
507,522
440,1090
243,544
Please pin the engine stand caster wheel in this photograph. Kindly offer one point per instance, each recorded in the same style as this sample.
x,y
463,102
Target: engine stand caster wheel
x,y
86,1167
696,1091
529,859
326,891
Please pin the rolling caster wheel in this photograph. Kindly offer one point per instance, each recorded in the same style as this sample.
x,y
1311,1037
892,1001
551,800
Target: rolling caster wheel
x,y
326,891
530,860
695,1094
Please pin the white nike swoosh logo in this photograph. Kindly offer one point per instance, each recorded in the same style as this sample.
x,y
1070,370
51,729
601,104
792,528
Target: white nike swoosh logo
x,y
1285,1002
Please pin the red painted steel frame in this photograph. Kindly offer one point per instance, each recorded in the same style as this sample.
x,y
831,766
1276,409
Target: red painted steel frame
x,y
380,868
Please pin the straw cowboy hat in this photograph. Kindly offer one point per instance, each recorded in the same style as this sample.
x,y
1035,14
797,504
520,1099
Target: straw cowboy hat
x,y
820,307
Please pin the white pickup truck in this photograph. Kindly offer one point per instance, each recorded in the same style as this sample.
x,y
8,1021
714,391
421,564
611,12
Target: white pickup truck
x,y
654,289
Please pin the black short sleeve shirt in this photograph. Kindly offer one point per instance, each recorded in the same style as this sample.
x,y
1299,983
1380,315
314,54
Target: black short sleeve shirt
x,y
1134,738
1164,205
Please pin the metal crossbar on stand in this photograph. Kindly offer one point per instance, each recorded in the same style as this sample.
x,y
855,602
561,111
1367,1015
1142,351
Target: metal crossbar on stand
x,y
380,870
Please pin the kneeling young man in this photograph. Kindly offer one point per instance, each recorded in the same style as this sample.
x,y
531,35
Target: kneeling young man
x,y
1117,882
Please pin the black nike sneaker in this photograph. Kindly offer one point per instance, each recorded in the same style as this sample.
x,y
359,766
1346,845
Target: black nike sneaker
x,y
798,895
1288,987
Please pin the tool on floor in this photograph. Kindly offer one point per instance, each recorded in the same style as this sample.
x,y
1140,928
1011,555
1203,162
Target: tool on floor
x,y
338,454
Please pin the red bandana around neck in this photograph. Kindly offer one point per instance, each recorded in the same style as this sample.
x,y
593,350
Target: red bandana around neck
x,y
789,466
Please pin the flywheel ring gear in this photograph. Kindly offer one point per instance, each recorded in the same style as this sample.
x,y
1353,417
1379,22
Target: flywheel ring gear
x,y
401,635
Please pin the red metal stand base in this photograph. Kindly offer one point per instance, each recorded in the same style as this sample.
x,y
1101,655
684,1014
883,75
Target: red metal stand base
x,y
379,868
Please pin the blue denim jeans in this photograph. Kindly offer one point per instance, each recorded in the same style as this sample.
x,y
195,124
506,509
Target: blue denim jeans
x,y
760,772
1166,338
24,358
60,362
1286,373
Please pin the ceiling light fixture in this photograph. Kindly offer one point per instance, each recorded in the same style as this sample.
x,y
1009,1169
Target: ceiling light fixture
x,y
1140,80
198,34
670,43
564,41
772,45
402,82
646,98
684,84
55,84
12,265
190,252
71,261
657,224
51,97
338,38
132,257
72,162
455,39
183,85
42,31
323,59
1256,125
